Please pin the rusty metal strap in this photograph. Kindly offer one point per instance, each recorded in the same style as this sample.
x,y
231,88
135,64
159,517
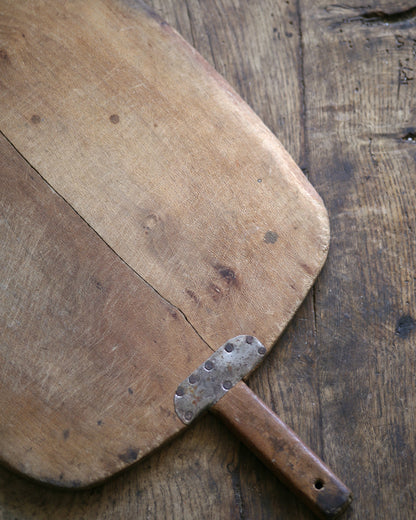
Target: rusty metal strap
x,y
220,372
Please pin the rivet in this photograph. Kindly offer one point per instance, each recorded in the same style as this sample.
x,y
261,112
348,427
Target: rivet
x,y
217,375
193,378
229,347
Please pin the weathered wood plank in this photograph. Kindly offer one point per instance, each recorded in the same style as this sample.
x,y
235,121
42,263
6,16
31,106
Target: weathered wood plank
x,y
360,127
227,482
157,153
88,351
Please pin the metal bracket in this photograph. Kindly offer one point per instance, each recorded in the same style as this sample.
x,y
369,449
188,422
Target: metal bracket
x,y
220,372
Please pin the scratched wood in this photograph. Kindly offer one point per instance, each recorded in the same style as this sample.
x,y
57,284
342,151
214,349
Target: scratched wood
x,y
189,176
360,126
339,92
184,185
86,345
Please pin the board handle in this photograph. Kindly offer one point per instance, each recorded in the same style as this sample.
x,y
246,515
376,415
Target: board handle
x,y
283,452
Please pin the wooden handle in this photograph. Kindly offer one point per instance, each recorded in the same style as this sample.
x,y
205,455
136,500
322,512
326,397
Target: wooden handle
x,y
283,452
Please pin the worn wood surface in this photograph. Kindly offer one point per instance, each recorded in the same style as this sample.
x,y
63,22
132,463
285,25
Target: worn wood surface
x,y
336,85
164,161
189,198
88,351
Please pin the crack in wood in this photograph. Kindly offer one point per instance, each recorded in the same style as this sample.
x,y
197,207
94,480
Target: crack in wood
x,y
236,485
410,136
174,307
377,17
304,158
191,24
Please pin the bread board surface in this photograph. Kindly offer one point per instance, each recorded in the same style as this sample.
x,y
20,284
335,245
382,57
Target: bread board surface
x,y
152,177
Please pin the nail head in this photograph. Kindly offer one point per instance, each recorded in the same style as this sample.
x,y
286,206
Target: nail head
x,y
193,378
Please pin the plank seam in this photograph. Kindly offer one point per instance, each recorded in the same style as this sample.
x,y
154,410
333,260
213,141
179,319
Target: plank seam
x,y
101,238
191,25
304,158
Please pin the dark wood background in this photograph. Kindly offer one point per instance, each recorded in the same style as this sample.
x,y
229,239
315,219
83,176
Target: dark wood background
x,y
337,84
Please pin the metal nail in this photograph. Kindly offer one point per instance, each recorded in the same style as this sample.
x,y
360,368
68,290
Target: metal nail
x,y
188,415
193,378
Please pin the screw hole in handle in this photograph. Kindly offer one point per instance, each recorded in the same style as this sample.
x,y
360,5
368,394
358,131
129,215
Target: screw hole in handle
x,y
319,484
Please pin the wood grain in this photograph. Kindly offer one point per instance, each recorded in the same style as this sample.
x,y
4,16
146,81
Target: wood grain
x,y
366,298
90,353
160,156
350,347
182,183
158,477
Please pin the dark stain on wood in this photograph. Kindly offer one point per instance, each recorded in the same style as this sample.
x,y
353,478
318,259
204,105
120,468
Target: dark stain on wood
x,y
4,57
405,326
307,268
53,481
236,485
173,312
61,482
227,280
343,170
270,237
192,295
227,274
129,456
278,444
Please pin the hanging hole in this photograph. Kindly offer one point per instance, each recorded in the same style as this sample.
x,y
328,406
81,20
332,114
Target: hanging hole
x,y
319,484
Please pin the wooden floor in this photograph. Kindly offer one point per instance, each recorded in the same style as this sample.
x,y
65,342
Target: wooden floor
x,y
337,84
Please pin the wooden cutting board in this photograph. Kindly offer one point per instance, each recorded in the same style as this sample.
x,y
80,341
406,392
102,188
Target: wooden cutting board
x,y
147,216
